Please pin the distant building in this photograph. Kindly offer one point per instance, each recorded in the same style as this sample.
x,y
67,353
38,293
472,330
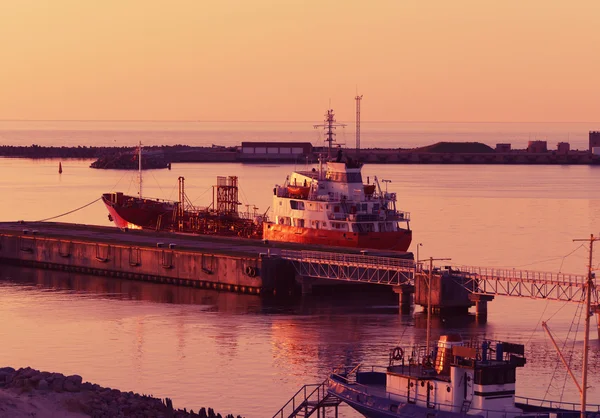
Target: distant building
x,y
281,148
563,148
503,147
537,147
274,151
594,140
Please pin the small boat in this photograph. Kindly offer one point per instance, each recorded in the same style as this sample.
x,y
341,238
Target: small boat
x,y
460,378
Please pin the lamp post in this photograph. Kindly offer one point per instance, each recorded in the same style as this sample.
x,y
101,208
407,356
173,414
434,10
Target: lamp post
x,y
418,245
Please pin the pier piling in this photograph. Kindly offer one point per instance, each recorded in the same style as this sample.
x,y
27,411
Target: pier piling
x,y
405,293
481,303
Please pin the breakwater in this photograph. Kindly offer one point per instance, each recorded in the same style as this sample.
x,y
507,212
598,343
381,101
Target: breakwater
x,y
439,153
26,391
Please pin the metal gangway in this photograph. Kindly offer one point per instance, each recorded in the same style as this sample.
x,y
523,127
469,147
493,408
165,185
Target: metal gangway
x,y
308,400
352,267
477,280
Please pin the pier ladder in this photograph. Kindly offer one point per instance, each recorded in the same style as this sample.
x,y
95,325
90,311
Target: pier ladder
x,y
308,400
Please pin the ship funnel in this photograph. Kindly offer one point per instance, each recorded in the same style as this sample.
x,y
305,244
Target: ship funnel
x,y
444,352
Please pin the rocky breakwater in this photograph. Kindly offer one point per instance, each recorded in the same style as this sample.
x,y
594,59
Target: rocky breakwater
x,y
31,393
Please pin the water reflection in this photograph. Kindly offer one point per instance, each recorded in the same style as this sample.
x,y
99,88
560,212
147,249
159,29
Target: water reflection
x,y
181,342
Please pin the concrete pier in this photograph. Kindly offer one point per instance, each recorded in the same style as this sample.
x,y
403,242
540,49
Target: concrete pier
x,y
218,263
449,292
480,303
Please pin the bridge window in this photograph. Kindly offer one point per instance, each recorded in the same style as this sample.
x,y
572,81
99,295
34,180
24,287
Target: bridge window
x,y
297,205
344,177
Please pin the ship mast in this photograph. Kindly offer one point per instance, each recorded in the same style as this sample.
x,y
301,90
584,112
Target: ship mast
x,y
329,126
586,336
140,168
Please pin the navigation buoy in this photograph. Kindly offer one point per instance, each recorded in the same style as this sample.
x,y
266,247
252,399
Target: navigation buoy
x,y
59,168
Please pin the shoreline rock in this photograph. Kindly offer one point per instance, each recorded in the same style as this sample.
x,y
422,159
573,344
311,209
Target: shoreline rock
x,y
28,392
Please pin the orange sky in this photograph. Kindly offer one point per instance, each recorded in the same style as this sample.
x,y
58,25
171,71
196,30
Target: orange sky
x,y
432,60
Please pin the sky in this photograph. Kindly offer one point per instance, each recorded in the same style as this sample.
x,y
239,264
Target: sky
x,y
290,60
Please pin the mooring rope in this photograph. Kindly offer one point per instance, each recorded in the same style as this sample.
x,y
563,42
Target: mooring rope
x,y
71,211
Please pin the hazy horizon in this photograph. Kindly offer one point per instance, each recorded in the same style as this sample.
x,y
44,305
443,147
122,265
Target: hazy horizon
x,y
265,60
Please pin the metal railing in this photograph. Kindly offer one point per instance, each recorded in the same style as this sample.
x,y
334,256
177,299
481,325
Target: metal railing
x,y
307,400
478,280
544,403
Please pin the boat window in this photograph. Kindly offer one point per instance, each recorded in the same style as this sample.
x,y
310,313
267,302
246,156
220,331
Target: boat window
x,y
295,204
344,177
300,223
324,224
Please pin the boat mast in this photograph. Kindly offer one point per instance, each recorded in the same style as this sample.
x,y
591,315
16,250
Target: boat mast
x,y
586,336
329,125
140,167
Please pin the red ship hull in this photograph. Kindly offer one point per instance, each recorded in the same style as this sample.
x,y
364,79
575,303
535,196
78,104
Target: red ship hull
x,y
131,212
394,241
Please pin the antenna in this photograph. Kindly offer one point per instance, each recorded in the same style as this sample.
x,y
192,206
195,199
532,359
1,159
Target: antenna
x,y
140,167
358,99
329,126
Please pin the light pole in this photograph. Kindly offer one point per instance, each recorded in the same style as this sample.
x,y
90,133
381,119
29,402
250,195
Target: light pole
x,y
418,245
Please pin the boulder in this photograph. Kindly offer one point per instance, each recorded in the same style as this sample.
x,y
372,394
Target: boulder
x,y
72,383
43,385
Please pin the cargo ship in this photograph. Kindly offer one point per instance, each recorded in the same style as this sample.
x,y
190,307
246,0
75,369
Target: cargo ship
x,y
329,205
332,206
220,218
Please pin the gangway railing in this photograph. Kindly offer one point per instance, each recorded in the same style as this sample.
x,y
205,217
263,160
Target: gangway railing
x,y
526,283
478,280
352,267
309,399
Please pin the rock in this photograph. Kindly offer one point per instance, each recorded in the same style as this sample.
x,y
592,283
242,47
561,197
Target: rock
x,y
72,383
43,385
57,383
26,372
87,386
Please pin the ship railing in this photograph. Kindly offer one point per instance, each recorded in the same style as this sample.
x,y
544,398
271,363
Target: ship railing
x,y
545,403
349,259
530,276
399,215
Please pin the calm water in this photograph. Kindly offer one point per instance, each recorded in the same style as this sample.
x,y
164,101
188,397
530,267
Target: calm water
x,y
246,355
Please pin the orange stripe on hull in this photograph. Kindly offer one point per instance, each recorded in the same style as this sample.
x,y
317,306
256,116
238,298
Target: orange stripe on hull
x,y
395,241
